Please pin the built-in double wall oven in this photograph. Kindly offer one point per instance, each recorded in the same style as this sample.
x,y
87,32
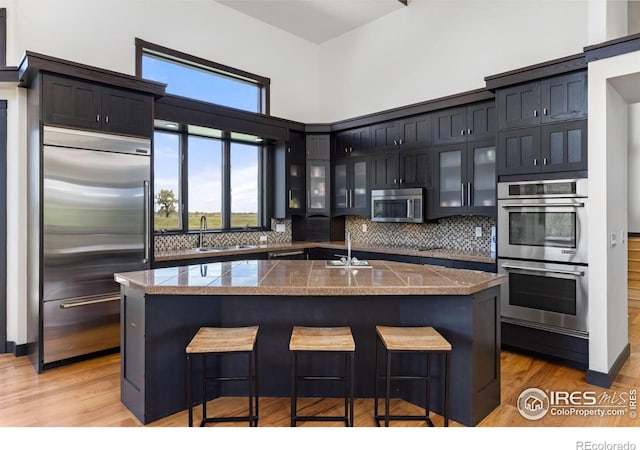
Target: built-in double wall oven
x,y
542,247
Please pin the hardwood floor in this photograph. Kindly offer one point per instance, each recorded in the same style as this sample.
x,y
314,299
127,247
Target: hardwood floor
x,y
87,394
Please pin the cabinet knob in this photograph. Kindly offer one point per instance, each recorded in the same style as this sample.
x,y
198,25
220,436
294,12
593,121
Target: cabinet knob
x,y
400,141
544,111
544,161
106,119
395,181
535,161
401,181
535,113
97,117
469,131
289,149
395,142
461,132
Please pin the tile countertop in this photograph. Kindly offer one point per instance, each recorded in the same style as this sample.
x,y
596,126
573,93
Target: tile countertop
x,y
461,255
301,278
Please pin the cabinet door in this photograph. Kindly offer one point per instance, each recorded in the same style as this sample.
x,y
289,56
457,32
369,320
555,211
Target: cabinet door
x,y
481,121
384,135
126,112
296,146
318,192
519,151
481,178
564,97
564,147
71,102
351,142
415,168
384,170
450,181
415,131
296,187
318,146
450,126
519,106
340,188
359,195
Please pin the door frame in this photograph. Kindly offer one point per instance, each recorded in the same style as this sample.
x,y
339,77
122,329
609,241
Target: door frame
x,y
3,226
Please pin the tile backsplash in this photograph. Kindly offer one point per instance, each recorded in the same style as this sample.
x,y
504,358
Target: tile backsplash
x,y
454,233
165,242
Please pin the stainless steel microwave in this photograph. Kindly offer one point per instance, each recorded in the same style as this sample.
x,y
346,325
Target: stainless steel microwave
x,y
397,205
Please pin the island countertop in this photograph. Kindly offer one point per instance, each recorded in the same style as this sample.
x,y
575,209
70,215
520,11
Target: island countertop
x,y
308,278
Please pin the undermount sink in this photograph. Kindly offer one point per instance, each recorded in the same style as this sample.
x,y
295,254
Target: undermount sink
x,y
225,248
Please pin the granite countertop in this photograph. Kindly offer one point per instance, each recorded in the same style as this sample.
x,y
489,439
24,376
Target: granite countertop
x,y
298,277
461,255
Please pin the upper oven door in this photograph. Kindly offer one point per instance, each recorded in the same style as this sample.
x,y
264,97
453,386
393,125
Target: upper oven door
x,y
550,229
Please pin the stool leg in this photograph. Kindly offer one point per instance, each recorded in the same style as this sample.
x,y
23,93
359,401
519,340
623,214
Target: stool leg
x,y
189,390
388,390
351,383
204,390
250,386
346,388
446,389
294,393
428,393
255,381
376,381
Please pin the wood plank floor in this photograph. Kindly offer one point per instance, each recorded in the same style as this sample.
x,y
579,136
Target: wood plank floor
x,y
87,394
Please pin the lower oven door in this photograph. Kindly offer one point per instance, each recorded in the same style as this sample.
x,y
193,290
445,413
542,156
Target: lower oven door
x,y
547,296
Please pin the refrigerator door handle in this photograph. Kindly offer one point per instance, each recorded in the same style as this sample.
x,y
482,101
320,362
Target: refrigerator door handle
x,y
147,222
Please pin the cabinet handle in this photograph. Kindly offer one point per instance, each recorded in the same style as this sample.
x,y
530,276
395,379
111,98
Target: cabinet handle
x,y
535,161
535,113
346,198
350,198
544,111
289,149
350,149
346,149
106,119
400,141
395,181
469,131
97,117
401,181
468,194
461,132
308,199
290,198
395,142
462,194
544,161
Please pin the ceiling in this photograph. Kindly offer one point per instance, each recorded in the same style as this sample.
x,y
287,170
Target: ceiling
x,y
316,20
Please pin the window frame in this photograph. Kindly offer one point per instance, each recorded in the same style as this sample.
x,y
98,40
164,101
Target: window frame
x,y
263,83
183,132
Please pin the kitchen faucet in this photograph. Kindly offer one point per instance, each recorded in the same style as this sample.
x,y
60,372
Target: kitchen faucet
x,y
203,227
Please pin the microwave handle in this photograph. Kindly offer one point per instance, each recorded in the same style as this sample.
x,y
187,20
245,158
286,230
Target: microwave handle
x,y
409,208
577,273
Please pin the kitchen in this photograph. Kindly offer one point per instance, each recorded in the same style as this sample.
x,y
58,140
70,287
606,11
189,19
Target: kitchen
x,y
292,101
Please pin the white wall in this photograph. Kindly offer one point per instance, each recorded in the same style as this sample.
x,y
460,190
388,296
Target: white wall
x,y
607,140
101,33
634,167
431,49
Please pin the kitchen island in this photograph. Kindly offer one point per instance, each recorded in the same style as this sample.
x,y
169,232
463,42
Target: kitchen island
x,y
162,309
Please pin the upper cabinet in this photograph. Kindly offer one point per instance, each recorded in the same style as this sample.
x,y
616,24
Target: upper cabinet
x,y
408,132
318,146
318,170
80,104
403,168
351,187
553,99
470,123
355,142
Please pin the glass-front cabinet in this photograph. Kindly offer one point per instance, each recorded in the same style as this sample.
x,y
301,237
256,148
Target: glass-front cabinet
x,y
465,179
295,199
350,193
318,188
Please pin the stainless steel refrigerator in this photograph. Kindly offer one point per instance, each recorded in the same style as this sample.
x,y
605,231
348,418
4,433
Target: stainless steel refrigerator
x,y
95,214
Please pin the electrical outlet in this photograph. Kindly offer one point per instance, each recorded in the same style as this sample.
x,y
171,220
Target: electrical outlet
x,y
364,227
613,240
478,231
263,239
279,228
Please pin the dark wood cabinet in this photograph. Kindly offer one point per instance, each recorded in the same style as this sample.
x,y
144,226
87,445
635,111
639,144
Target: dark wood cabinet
x,y
559,147
353,142
408,132
318,174
401,169
550,100
351,194
289,177
80,104
457,125
318,146
465,179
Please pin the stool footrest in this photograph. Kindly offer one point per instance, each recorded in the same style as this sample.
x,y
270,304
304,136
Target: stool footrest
x,y
321,419
216,379
406,377
424,418
318,377
228,419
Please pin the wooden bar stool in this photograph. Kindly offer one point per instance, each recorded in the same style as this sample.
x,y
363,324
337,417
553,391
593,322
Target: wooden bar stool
x,y
425,340
319,339
210,341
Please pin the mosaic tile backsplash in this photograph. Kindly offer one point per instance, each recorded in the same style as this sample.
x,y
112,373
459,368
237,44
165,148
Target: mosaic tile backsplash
x,y
165,242
453,233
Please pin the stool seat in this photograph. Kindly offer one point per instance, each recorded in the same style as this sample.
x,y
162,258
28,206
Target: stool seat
x,y
333,339
412,339
223,340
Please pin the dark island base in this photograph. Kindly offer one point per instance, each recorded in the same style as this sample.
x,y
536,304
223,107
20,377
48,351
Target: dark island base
x,y
157,328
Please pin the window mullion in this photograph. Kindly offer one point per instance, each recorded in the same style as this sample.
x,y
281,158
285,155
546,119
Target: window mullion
x,y
226,181
184,181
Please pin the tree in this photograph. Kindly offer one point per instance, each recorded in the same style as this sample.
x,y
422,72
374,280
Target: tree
x,y
167,201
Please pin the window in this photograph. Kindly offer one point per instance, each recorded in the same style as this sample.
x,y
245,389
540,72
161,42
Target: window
x,y
196,78
221,179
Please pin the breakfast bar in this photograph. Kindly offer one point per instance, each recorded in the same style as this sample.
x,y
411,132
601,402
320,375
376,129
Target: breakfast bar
x,y
162,309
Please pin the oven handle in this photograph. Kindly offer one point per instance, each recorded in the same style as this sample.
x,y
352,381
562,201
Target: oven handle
x,y
544,205
577,273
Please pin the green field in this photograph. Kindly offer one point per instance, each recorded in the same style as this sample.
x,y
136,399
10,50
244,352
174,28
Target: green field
x,y
238,220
